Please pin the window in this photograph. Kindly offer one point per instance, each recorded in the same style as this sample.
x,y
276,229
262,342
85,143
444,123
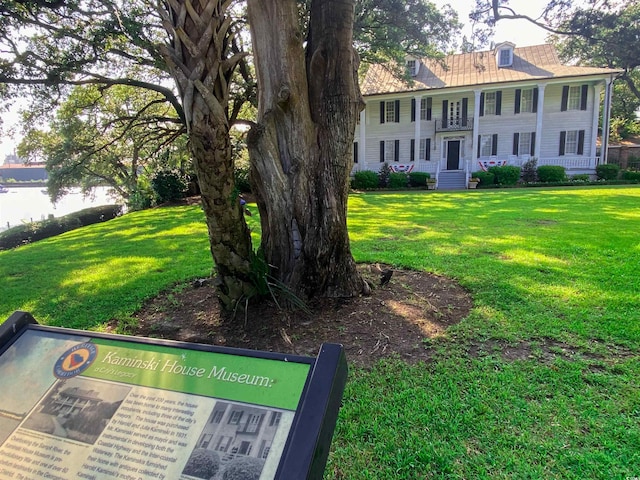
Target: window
x,y
526,100
205,440
487,145
235,417
572,142
275,419
389,151
524,143
253,423
491,103
223,444
411,67
390,112
425,149
574,97
573,102
504,57
425,108
217,416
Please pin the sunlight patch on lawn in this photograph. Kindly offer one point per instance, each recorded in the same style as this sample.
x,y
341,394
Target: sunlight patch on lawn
x,y
110,273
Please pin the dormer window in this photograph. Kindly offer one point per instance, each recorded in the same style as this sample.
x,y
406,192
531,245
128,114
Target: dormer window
x,y
412,67
504,54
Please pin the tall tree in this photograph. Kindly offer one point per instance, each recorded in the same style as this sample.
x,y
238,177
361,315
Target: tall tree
x,y
300,150
105,136
308,95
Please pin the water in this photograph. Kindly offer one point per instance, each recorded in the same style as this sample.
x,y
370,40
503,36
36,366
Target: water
x,y
26,204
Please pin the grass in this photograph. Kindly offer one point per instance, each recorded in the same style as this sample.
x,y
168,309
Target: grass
x,y
547,268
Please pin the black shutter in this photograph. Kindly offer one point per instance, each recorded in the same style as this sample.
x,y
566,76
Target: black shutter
x,y
396,151
429,105
534,107
381,151
580,142
563,139
412,154
565,98
494,144
397,119
413,109
516,143
481,105
355,152
583,97
499,102
445,108
465,111
516,105
479,141
427,149
382,112
533,144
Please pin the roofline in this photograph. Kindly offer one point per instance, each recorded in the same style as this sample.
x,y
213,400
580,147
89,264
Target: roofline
x,y
546,80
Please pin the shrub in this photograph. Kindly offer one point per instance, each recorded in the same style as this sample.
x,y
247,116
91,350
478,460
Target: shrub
x,y
202,463
529,170
551,173
398,180
139,199
631,175
32,232
168,185
365,180
241,177
486,178
580,177
418,179
243,468
505,175
607,171
384,174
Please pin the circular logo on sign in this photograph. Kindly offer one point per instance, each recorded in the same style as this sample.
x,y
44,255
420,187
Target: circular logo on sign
x,y
75,360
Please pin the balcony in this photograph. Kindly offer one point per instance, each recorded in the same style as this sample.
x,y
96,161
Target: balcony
x,y
454,124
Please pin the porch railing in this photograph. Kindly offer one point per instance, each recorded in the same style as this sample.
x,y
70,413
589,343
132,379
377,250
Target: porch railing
x,y
575,163
454,124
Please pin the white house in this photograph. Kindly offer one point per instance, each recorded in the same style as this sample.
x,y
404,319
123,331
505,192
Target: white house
x,y
473,110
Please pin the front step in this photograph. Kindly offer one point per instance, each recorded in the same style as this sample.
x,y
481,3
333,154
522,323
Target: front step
x,y
452,180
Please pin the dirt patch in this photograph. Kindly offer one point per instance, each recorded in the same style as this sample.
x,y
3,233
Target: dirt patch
x,y
394,321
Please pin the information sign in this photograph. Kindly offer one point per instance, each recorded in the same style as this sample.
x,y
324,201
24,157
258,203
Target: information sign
x,y
77,404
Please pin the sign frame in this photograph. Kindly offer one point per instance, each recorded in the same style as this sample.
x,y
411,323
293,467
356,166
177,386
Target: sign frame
x,y
308,441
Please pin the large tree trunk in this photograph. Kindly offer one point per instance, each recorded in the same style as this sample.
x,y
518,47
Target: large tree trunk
x,y
301,147
199,60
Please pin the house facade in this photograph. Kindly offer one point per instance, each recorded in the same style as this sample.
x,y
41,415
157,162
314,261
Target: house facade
x,y
475,110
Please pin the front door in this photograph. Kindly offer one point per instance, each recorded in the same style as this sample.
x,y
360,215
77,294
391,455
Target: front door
x,y
453,154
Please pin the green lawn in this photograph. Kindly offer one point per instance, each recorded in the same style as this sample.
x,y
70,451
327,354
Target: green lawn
x,y
553,272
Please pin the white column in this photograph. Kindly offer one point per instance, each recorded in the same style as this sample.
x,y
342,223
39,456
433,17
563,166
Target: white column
x,y
606,120
418,126
539,117
476,129
596,114
362,147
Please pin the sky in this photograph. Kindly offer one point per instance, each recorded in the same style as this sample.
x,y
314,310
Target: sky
x,y
520,32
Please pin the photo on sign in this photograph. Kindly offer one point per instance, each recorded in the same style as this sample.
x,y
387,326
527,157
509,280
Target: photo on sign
x,y
77,408
234,443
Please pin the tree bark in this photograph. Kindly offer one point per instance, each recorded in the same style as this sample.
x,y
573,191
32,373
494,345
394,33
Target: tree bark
x,y
200,61
301,148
